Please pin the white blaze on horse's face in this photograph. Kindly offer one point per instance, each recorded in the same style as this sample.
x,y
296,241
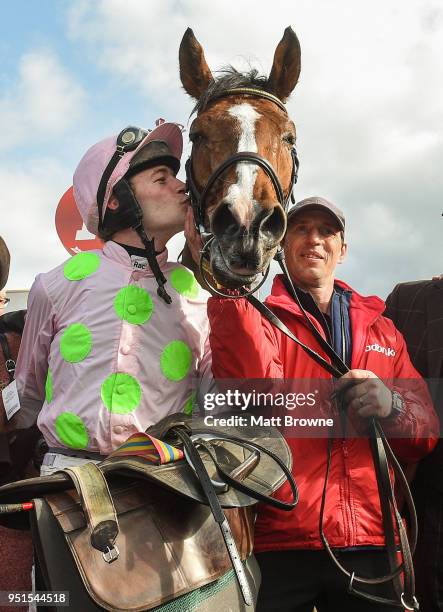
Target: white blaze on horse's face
x,y
240,194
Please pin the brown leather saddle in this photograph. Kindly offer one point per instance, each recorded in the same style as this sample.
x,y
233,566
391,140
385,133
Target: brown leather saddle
x,y
140,535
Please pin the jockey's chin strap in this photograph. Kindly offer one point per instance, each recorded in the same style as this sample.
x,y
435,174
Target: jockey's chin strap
x,y
125,195
381,451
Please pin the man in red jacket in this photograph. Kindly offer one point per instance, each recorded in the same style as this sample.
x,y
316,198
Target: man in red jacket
x,y
297,573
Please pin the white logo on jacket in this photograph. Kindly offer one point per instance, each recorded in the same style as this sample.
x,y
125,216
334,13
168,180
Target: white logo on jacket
x,y
140,263
389,352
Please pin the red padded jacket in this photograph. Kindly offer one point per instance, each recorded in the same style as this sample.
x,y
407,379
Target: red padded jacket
x,y
245,345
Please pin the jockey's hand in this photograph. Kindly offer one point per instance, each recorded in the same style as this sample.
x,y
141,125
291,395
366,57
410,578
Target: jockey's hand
x,y
193,239
364,394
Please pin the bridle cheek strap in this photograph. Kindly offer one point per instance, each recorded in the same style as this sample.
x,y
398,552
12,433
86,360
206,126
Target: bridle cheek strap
x,y
194,196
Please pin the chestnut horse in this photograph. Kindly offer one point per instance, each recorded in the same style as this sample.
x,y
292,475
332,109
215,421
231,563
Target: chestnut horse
x,y
243,164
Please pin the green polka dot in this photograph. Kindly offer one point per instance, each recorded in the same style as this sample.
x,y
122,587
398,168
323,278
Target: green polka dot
x,y
71,430
76,343
121,393
48,387
133,304
184,282
190,403
175,360
81,265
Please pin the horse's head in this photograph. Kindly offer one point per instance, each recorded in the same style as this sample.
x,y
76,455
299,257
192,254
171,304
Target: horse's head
x,y
242,166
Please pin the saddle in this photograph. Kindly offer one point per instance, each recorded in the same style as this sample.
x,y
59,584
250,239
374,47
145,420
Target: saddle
x,y
139,535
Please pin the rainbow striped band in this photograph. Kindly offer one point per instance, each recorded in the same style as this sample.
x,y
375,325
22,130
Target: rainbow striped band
x,y
150,448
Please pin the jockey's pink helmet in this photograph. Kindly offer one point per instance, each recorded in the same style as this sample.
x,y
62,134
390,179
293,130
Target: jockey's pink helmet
x,y
89,172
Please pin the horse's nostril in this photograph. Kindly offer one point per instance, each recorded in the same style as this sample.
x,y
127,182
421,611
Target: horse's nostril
x,y
274,224
224,222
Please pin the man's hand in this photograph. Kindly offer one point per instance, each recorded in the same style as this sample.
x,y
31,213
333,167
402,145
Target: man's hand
x,y
193,239
367,397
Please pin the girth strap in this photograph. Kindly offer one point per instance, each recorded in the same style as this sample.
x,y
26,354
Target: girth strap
x,y
98,508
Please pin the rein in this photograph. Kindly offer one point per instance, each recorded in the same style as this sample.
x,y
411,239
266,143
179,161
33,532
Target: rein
x,y
381,451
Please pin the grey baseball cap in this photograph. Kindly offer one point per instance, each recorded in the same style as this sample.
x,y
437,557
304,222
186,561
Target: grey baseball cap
x,y
318,203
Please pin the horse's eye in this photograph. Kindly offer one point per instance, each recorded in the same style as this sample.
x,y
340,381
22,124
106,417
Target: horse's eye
x,y
289,138
195,137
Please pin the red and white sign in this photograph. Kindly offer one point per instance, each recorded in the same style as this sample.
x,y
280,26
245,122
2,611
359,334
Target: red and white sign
x,y
70,228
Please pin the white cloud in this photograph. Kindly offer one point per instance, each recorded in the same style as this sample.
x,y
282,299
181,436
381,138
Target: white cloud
x,y
368,108
43,103
30,197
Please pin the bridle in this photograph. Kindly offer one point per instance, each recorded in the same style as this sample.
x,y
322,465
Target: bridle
x,y
199,198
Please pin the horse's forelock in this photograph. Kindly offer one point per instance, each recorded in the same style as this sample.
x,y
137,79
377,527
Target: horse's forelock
x,y
230,78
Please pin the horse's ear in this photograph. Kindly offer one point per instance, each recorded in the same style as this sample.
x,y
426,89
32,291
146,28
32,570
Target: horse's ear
x,y
194,71
286,67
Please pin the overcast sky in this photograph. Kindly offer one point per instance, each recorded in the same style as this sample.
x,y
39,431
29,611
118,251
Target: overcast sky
x,y
368,110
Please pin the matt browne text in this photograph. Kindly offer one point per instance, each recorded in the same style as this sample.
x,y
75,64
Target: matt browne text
x,y
261,421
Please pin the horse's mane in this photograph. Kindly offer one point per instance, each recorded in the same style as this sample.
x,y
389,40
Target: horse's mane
x,y
230,78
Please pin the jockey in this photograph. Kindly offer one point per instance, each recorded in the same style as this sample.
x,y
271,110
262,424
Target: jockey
x,y
114,338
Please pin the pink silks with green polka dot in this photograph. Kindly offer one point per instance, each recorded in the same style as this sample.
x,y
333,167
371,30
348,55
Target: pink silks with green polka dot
x,y
113,358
